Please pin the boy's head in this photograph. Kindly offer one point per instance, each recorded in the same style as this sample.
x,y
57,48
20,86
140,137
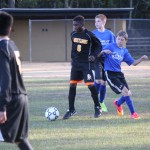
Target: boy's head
x,y
78,23
123,34
122,38
6,22
102,17
100,21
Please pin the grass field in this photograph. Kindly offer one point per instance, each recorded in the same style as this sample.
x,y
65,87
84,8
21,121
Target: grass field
x,y
47,85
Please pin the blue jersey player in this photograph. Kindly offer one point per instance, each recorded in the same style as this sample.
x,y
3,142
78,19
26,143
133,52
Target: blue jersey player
x,y
114,55
105,36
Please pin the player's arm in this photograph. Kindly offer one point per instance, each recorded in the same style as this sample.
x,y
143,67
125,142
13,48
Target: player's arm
x,y
5,81
97,48
143,58
5,85
97,45
106,51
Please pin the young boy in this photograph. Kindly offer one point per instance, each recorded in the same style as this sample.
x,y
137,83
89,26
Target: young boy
x,y
85,49
115,54
105,36
13,96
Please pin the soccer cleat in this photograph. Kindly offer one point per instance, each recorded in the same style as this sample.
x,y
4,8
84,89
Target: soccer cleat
x,y
104,108
69,114
135,116
98,112
119,109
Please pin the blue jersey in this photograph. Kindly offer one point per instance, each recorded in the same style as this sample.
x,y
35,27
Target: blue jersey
x,y
105,37
113,61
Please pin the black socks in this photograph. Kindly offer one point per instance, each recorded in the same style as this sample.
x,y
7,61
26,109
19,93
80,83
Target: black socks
x,y
25,145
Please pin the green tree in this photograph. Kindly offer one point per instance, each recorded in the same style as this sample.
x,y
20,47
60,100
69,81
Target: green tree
x,y
141,7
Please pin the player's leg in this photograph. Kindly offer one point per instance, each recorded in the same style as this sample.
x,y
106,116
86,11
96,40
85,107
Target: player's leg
x,y
15,130
75,77
127,98
103,91
113,80
24,145
89,81
97,81
71,98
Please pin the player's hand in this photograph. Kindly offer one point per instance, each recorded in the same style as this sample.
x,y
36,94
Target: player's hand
x,y
144,57
3,117
107,51
91,58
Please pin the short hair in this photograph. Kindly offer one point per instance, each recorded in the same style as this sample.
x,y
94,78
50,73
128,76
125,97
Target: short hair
x,y
102,17
123,34
6,21
79,19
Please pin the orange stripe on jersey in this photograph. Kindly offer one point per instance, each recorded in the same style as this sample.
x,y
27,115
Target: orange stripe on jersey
x,y
75,81
89,83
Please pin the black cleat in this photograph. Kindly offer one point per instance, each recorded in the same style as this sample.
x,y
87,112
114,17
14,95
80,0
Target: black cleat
x,y
98,112
69,114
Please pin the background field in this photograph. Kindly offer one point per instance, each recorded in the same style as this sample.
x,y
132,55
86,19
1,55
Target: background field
x,y
47,85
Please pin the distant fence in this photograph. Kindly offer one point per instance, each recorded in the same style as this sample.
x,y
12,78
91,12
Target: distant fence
x,y
54,42
139,36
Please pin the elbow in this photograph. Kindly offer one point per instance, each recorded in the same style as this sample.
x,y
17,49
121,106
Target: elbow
x,y
134,64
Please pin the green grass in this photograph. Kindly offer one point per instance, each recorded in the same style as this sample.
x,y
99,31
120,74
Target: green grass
x,y
83,131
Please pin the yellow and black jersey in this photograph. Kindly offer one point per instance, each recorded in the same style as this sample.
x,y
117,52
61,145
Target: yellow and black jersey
x,y
11,82
84,44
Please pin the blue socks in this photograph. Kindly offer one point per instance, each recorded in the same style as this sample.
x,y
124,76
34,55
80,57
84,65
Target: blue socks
x,y
101,89
128,101
120,101
130,104
102,93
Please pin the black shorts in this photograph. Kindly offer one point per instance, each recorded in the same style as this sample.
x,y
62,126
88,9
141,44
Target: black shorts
x,y
82,72
15,129
116,81
99,72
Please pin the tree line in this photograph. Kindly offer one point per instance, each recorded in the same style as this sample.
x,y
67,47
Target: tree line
x,y
141,7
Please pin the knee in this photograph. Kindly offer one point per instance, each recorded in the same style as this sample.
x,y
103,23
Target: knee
x,y
90,86
103,82
73,85
22,100
126,92
93,90
98,81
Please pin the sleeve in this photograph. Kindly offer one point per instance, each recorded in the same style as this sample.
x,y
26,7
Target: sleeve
x,y
5,81
128,58
106,47
97,47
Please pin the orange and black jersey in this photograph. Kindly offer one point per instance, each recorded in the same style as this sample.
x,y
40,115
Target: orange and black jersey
x,y
84,44
11,82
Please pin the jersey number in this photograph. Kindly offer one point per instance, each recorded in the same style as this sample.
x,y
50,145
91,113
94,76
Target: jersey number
x,y
79,48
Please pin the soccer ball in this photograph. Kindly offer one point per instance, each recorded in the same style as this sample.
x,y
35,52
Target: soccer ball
x,y
52,113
